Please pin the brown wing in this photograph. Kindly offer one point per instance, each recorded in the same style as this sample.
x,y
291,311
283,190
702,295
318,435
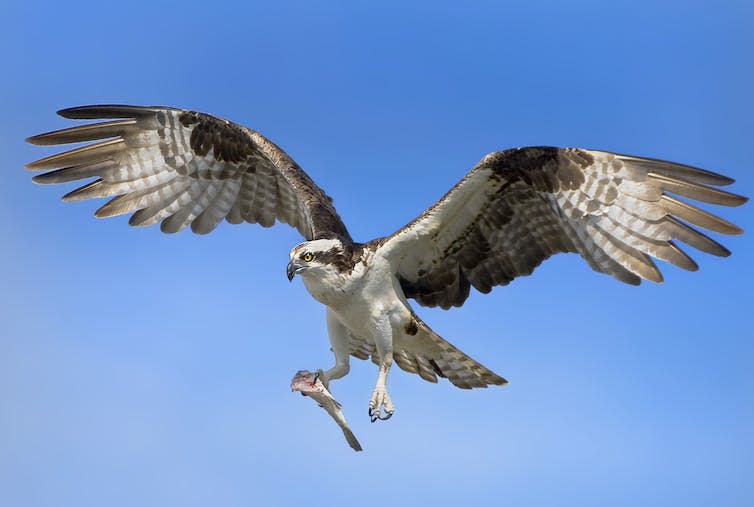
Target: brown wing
x,y
518,207
180,167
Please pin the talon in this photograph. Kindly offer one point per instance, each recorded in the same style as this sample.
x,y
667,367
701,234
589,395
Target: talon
x,y
380,406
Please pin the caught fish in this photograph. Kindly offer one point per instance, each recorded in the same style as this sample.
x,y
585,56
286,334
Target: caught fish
x,y
309,384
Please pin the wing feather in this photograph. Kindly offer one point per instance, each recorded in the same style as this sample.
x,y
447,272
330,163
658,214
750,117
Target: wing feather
x,y
518,207
184,168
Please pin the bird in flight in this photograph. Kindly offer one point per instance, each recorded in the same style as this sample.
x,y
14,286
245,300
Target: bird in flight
x,y
513,210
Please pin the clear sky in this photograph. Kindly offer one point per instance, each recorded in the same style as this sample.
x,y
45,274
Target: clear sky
x,y
152,370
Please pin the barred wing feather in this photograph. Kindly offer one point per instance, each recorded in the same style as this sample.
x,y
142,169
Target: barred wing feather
x,y
180,168
518,207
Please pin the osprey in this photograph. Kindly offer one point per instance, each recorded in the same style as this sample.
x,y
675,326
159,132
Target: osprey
x,y
513,210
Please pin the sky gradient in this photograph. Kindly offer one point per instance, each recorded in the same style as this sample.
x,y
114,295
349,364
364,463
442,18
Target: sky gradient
x,y
143,369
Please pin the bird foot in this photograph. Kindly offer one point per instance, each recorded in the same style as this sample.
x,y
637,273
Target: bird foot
x,y
380,403
319,374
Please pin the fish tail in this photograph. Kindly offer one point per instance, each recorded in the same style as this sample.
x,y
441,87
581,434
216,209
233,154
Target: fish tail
x,y
351,438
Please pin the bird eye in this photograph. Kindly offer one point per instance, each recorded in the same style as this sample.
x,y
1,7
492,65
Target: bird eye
x,y
308,257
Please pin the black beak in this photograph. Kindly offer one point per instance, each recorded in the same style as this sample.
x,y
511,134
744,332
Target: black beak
x,y
292,270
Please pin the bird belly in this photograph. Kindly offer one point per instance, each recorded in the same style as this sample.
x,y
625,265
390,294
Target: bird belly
x,y
363,312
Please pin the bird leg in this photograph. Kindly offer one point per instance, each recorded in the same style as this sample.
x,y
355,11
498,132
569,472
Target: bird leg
x,y
380,398
334,373
383,340
339,345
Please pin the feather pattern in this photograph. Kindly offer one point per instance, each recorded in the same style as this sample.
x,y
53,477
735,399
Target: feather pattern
x,y
184,168
430,356
518,207
513,210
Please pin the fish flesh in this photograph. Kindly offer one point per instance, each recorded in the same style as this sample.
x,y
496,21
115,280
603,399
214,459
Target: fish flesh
x,y
309,384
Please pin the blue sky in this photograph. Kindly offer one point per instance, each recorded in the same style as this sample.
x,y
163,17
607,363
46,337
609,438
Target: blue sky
x,y
143,369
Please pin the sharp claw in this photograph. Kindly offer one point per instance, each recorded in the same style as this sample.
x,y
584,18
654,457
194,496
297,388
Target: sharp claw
x,y
320,375
388,415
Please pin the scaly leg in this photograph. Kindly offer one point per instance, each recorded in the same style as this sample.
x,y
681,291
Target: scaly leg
x,y
383,339
339,343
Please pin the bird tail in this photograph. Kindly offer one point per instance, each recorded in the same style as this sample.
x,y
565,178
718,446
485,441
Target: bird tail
x,y
422,351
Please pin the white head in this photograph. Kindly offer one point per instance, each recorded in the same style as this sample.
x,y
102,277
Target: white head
x,y
319,258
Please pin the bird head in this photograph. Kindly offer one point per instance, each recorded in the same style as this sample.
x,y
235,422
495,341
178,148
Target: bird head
x,y
319,258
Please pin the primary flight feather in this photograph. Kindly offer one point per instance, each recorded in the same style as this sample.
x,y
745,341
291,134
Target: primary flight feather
x,y
513,210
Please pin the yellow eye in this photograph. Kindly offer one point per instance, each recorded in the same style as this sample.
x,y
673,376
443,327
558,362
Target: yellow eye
x,y
308,257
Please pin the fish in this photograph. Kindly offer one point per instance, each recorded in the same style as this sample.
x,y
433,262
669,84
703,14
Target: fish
x,y
309,384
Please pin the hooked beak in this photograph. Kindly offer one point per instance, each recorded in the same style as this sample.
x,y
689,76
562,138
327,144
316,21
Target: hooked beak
x,y
293,269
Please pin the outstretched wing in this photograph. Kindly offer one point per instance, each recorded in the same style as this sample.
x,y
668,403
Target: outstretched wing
x,y
180,167
518,207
